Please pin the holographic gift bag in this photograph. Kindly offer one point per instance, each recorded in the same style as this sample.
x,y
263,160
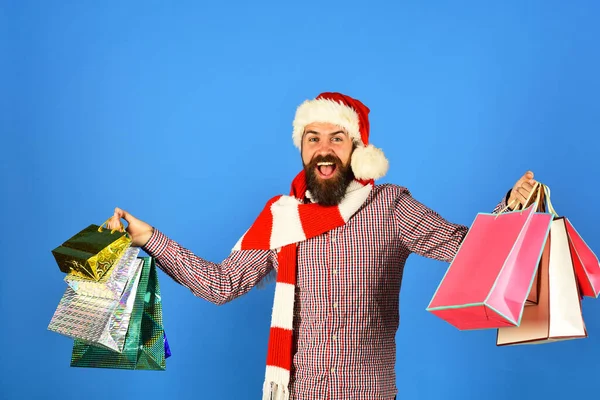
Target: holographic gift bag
x,y
112,284
97,320
145,344
92,251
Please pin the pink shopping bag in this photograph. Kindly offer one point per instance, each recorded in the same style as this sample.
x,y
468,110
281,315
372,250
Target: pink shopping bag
x,y
490,279
585,262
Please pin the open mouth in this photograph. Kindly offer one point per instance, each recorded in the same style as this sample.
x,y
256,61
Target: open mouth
x,y
325,169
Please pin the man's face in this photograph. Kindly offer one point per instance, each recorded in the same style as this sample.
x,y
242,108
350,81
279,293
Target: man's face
x,y
326,152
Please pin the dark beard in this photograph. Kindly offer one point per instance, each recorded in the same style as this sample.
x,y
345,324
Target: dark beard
x,y
328,192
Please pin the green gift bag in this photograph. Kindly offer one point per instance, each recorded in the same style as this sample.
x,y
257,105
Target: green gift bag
x,y
145,341
92,252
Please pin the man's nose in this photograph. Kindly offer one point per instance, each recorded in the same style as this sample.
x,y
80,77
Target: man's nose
x,y
325,147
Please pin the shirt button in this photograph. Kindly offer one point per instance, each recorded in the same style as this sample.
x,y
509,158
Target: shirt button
x,y
334,272
332,370
334,337
335,305
332,240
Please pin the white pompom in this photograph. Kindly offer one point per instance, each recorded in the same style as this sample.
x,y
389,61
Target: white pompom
x,y
369,163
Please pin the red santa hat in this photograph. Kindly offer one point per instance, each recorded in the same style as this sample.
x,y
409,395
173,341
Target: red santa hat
x,y
368,162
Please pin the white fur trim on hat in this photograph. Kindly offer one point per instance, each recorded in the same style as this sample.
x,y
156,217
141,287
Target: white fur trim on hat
x,y
369,163
325,110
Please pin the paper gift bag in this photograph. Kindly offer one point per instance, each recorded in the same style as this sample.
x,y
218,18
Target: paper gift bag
x,y
145,342
587,267
112,283
532,298
97,320
489,280
558,315
92,251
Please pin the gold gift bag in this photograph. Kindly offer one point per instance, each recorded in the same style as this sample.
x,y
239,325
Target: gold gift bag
x,y
92,252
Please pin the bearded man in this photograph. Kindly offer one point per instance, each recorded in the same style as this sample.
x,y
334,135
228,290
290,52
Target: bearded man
x,y
338,243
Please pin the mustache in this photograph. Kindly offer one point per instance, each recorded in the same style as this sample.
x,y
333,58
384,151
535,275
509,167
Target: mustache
x,y
326,158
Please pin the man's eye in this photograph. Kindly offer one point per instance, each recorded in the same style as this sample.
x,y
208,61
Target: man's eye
x,y
336,139
313,139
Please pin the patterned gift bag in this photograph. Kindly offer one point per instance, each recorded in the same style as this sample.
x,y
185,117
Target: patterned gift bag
x,y
97,320
145,344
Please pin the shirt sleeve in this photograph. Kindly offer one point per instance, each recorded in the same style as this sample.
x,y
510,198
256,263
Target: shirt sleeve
x,y
425,232
218,283
503,203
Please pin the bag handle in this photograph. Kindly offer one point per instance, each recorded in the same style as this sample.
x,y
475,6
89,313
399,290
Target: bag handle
x,y
542,198
551,209
121,227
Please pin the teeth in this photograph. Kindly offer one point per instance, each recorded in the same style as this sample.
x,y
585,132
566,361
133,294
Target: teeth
x,y
324,163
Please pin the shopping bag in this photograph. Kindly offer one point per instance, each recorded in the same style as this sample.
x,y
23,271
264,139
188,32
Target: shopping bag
x,y
145,343
112,283
532,298
587,267
96,320
490,278
558,315
92,251
586,264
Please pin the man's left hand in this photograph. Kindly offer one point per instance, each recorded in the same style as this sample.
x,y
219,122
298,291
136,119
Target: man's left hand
x,y
521,191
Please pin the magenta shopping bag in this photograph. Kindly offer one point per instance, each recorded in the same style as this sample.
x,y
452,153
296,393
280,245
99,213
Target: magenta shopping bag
x,y
587,267
487,284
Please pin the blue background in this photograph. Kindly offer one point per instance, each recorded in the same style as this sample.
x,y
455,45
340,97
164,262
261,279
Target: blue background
x,y
180,112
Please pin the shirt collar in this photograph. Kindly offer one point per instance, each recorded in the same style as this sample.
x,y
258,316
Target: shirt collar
x,y
354,185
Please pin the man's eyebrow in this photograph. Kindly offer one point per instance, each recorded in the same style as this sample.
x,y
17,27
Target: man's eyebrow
x,y
331,134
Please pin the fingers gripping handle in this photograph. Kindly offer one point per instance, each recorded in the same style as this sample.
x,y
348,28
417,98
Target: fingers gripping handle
x,y
515,204
542,199
120,229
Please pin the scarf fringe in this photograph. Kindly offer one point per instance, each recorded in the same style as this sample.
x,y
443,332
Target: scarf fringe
x,y
274,391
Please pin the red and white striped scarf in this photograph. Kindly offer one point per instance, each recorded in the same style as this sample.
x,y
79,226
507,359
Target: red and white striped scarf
x,y
284,222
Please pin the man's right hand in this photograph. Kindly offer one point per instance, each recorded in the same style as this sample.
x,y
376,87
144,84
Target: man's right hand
x,y
139,231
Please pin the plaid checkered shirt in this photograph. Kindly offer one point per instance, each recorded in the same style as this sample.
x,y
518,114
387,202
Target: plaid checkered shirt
x,y
346,311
